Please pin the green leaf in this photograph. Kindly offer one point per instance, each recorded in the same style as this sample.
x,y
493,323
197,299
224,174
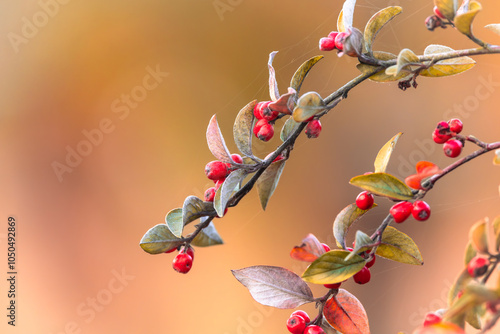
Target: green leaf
x,y
470,252
308,105
495,27
377,22
448,66
362,243
460,283
383,184
195,208
224,193
344,220
472,317
216,142
288,129
346,314
173,219
406,58
474,295
242,129
447,7
496,159
273,84
384,154
399,247
268,181
159,239
301,73
207,237
496,231
381,76
478,236
332,267
465,16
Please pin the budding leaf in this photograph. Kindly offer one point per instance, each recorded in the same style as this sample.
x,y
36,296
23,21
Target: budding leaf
x,y
332,267
470,252
478,236
496,232
273,84
399,247
242,129
274,286
308,105
447,7
381,76
224,193
216,142
459,285
406,59
301,73
383,184
495,27
268,181
340,22
362,243
344,220
174,222
346,314
195,208
377,22
496,159
465,16
309,250
207,237
348,14
288,129
384,154
159,239
448,66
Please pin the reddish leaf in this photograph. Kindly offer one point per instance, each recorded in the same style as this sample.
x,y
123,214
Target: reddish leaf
x,y
274,286
285,103
346,314
425,169
309,251
216,142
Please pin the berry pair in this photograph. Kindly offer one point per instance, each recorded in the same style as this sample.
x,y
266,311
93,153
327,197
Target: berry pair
x,y
217,171
420,210
335,40
444,133
184,260
264,129
297,324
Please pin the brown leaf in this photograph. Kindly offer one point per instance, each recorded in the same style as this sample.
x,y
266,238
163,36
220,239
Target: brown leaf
x,y
346,314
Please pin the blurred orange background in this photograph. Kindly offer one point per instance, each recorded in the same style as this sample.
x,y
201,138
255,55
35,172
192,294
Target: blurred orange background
x,y
67,68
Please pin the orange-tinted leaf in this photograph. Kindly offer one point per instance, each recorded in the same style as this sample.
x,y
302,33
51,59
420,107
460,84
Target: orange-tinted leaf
x,y
309,250
344,220
425,169
346,314
384,154
286,102
441,328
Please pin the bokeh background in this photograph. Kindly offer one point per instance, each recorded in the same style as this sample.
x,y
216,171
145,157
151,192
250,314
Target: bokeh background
x,y
78,232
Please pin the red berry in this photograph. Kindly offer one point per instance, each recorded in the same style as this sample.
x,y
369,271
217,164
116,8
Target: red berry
x,y
400,211
189,251
302,314
339,40
456,125
263,130
259,108
313,329
421,210
182,263
452,148
438,13
440,138
363,276
296,324
327,44
219,183
364,201
313,128
333,34
370,263
478,266
237,158
278,158
326,247
210,194
443,127
432,318
335,286
216,170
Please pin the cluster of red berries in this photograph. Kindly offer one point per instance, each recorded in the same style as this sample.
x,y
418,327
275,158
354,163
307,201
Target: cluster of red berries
x,y
264,127
335,40
299,323
436,20
217,171
478,266
184,260
420,210
444,133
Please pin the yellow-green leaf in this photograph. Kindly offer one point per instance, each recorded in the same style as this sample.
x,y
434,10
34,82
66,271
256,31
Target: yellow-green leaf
x,y
495,27
473,318
207,237
383,184
447,7
377,22
362,243
332,267
470,252
496,232
459,286
399,247
288,129
195,208
478,236
242,129
159,239
224,193
308,105
474,295
344,220
496,159
268,181
406,58
302,71
465,16
174,222
448,66
381,76
384,154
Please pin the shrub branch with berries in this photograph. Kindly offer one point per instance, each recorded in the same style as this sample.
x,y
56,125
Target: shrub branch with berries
x,y
234,175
